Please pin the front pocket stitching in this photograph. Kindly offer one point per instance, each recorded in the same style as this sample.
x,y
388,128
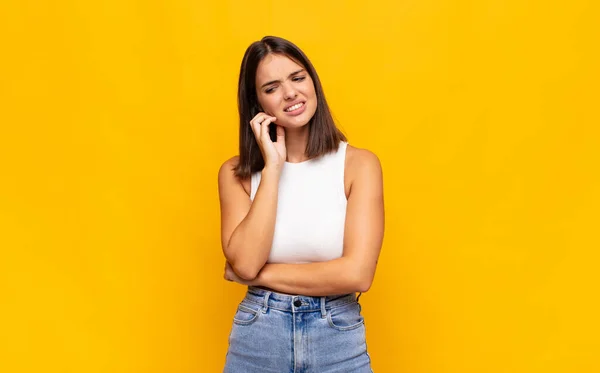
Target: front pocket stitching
x,y
344,328
247,310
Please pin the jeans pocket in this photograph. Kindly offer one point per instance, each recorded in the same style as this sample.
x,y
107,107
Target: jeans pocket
x,y
346,317
245,314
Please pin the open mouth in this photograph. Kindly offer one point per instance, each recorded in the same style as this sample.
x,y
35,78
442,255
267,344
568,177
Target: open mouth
x,y
294,107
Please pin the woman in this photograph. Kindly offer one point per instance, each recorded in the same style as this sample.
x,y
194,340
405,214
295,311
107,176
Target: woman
x,y
301,223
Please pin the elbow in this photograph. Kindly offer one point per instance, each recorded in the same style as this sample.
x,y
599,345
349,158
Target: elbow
x,y
362,280
245,272
360,277
363,285
241,266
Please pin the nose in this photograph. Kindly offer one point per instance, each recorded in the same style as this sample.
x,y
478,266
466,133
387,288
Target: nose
x,y
289,92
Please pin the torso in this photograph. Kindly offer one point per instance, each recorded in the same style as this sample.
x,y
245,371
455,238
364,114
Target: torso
x,y
353,155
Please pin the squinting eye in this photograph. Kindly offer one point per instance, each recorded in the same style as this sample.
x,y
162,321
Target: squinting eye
x,y
299,78
270,90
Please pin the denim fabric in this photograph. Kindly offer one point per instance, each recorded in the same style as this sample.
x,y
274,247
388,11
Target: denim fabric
x,y
280,333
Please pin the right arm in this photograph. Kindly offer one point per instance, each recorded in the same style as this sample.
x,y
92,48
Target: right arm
x,y
247,227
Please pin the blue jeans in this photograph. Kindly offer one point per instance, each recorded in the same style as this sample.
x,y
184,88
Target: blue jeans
x,y
280,333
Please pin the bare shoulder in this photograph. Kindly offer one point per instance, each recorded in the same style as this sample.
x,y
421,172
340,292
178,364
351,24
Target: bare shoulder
x,y
228,166
362,172
361,162
227,175
227,170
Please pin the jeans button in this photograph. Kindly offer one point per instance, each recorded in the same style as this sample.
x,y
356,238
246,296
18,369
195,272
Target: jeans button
x,y
297,303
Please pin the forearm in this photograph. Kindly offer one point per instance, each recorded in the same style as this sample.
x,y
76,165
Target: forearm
x,y
338,276
250,243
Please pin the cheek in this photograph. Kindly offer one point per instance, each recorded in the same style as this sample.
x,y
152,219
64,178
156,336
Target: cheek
x,y
312,97
310,91
267,102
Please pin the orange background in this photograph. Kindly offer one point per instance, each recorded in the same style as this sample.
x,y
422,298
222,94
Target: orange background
x,y
116,116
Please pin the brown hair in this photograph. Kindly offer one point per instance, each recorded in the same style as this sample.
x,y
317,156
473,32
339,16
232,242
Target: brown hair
x,y
323,136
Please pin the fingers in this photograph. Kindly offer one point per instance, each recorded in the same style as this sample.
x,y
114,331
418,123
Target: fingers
x,y
255,123
260,125
264,129
228,270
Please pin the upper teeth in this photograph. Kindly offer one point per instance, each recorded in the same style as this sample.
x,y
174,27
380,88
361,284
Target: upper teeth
x,y
297,106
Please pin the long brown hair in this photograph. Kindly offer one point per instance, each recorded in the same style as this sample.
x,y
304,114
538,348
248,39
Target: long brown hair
x,y
323,136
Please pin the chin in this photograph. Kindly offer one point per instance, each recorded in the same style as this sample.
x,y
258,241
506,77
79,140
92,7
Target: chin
x,y
289,125
297,122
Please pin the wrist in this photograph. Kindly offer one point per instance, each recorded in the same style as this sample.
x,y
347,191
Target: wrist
x,y
271,171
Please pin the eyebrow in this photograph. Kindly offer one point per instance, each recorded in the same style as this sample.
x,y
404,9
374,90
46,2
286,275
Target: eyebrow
x,y
275,81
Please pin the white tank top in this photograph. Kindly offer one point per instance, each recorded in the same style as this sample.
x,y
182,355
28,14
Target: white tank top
x,y
311,209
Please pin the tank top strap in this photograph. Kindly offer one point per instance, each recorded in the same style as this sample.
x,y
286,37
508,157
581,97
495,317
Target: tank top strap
x,y
340,166
341,152
254,181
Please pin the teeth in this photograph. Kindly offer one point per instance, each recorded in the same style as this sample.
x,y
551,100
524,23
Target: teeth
x,y
292,108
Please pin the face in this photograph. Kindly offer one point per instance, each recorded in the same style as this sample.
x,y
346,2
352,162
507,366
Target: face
x,y
286,91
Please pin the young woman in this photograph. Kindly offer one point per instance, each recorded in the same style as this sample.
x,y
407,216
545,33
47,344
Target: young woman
x,y
302,223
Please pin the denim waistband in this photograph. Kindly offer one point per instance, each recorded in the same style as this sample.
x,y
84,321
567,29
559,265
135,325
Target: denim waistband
x,y
296,303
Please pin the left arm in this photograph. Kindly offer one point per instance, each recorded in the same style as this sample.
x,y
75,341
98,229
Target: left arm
x,y
363,236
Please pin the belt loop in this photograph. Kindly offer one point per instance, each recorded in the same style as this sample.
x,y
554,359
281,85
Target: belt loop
x,y
357,298
266,302
323,311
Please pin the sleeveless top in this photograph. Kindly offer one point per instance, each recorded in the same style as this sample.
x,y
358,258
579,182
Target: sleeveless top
x,y
311,209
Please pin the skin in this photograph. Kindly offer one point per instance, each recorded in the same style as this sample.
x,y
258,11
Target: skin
x,y
281,82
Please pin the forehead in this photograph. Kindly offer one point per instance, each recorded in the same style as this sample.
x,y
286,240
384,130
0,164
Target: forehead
x,y
275,67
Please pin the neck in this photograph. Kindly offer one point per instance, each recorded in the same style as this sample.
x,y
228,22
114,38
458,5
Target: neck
x,y
296,140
